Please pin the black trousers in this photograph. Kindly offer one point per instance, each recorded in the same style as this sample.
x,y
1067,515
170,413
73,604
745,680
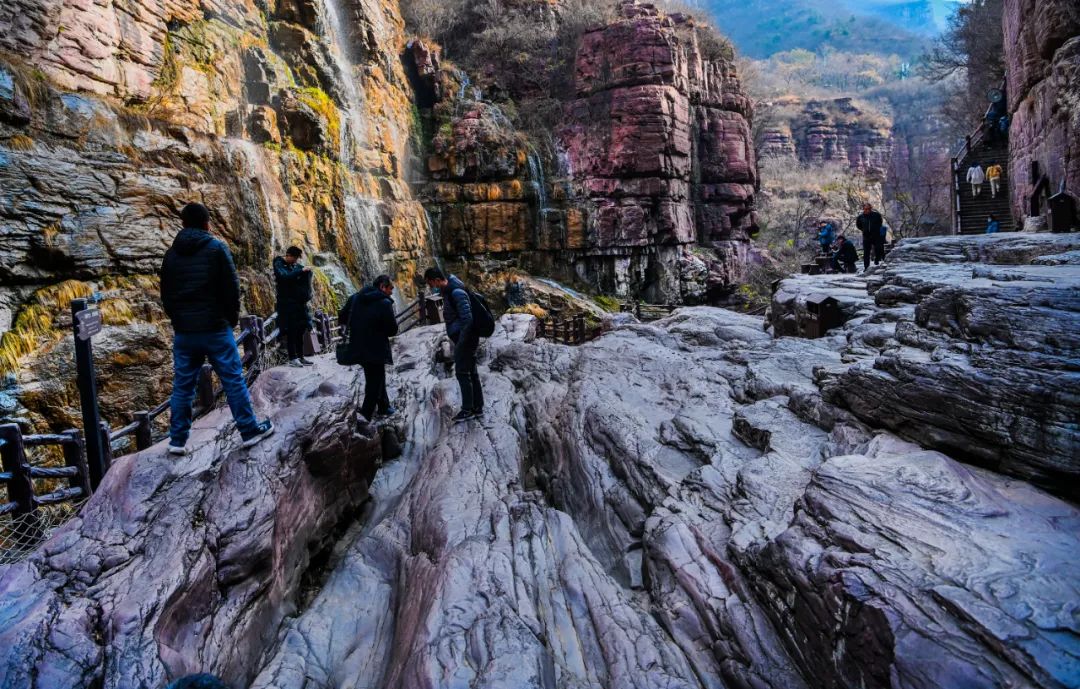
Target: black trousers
x,y
294,341
875,244
848,267
472,394
375,395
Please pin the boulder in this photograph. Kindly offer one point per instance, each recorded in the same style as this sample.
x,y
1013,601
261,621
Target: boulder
x,y
178,566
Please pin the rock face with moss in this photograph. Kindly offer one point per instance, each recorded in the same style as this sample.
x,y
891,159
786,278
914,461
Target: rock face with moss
x,y
290,120
649,189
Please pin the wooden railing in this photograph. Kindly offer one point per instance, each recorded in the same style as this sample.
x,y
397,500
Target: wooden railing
x,y
971,142
569,331
648,312
425,310
20,476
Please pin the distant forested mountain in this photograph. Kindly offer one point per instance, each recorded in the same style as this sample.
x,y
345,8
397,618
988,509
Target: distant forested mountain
x,y
761,28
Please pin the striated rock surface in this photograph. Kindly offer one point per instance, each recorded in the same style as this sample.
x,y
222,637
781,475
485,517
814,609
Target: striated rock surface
x,y
818,132
1042,59
290,122
964,344
670,505
658,142
646,188
179,566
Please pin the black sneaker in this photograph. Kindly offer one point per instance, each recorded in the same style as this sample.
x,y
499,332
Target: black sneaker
x,y
265,430
390,411
306,362
477,413
465,415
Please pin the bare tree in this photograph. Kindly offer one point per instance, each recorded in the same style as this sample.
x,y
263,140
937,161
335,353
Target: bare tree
x,y
972,50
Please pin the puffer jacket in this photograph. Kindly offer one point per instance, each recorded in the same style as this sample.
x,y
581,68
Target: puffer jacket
x,y
200,289
457,309
293,295
870,224
371,325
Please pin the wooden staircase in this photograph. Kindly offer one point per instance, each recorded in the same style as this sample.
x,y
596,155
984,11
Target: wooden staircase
x,y
970,212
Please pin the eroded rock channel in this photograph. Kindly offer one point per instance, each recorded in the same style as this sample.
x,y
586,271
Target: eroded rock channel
x,y
688,503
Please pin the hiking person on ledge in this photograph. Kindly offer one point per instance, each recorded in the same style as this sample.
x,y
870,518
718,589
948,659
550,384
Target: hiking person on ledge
x,y
826,236
371,325
201,295
871,222
467,320
293,282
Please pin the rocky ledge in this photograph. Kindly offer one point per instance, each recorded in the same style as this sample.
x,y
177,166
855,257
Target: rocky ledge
x,y
970,345
689,503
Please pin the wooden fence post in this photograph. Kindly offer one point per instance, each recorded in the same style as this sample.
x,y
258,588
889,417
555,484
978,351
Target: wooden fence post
x,y
144,432
74,456
13,458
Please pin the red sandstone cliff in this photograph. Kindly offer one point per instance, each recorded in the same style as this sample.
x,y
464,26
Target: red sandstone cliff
x,y
1042,50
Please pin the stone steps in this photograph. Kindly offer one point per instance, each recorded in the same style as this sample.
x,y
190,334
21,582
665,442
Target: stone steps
x,y
975,209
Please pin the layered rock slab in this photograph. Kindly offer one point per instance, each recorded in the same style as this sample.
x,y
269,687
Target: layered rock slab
x,y
670,505
679,468
965,344
177,566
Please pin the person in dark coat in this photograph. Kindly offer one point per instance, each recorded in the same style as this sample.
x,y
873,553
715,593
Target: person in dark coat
x,y
844,258
871,222
200,291
293,296
372,323
457,312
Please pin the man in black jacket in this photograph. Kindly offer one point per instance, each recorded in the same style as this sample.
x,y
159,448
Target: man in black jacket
x,y
293,282
870,222
201,294
371,325
457,312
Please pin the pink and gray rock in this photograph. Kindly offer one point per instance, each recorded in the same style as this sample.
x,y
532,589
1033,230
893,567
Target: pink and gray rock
x,y
670,505
963,344
658,139
178,566
1042,59
818,132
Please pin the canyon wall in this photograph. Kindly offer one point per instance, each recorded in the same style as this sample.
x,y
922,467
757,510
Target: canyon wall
x,y
650,190
290,120
1042,51
818,132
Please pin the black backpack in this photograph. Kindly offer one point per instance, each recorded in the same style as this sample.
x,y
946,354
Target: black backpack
x,y
483,321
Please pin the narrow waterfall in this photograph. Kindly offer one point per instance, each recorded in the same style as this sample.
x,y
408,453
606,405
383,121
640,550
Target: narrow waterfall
x,y
362,214
256,185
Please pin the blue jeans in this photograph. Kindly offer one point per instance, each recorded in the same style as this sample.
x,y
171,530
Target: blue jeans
x,y
190,350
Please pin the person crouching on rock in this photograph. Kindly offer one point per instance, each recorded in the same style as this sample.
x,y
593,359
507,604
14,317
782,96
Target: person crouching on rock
x,y
293,295
457,312
371,325
844,258
200,291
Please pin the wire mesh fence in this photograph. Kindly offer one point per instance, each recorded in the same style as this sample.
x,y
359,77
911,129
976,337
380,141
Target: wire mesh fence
x,y
21,534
